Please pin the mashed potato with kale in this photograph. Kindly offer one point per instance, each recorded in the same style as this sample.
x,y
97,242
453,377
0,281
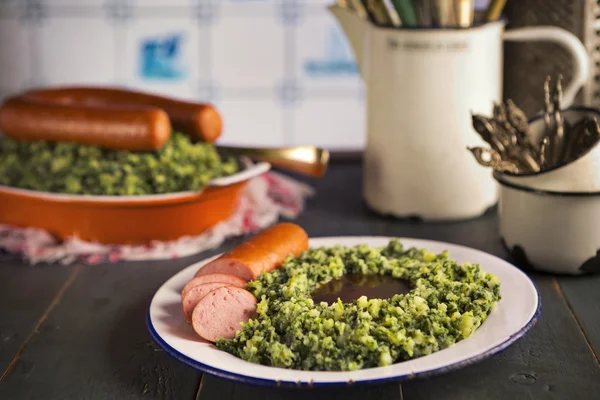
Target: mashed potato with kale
x,y
447,303
69,168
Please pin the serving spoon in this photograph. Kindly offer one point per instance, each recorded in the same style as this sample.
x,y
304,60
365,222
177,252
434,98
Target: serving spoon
x,y
305,160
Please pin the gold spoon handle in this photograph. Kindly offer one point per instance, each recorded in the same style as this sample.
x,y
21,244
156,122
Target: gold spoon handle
x,y
306,160
494,10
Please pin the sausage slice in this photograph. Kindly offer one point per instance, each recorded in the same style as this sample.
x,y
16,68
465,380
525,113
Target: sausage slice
x,y
220,313
195,294
231,280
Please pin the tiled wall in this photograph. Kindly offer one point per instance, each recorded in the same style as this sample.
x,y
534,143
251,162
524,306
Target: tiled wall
x,y
280,71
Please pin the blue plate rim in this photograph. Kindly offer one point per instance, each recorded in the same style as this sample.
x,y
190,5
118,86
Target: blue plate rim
x,y
399,378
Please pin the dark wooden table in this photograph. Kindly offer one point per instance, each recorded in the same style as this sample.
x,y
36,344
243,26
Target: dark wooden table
x,y
78,332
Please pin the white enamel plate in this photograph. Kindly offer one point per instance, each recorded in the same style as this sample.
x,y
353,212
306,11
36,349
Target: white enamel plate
x,y
515,314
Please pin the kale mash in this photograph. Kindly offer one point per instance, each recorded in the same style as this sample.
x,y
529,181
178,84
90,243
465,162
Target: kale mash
x,y
447,303
69,168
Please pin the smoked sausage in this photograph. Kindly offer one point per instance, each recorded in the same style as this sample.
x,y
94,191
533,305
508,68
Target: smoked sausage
x,y
115,119
134,129
220,313
262,253
197,119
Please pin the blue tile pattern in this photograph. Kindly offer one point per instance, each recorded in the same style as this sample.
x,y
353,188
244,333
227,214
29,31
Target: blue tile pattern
x,y
289,92
208,91
207,11
308,59
291,11
32,12
120,12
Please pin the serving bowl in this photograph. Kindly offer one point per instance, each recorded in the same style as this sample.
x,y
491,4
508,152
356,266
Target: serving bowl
x,y
128,219
551,231
581,175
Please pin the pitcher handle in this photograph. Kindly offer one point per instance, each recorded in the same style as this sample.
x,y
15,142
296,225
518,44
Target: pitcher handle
x,y
570,42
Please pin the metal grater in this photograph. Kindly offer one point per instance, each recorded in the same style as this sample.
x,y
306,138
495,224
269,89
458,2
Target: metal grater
x,y
527,64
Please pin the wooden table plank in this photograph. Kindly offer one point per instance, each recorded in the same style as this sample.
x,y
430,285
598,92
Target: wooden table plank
x,y
536,366
583,295
95,344
337,207
544,354
216,388
500,377
551,362
539,366
480,233
25,294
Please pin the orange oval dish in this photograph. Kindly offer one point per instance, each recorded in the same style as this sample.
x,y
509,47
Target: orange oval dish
x,y
130,220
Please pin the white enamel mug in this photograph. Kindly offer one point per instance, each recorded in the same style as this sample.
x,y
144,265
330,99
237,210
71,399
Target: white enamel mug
x,y
422,86
557,232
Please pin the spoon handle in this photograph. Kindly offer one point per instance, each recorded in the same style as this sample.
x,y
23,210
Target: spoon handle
x,y
305,160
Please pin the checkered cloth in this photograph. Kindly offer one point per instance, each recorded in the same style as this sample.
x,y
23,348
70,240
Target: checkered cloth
x,y
265,199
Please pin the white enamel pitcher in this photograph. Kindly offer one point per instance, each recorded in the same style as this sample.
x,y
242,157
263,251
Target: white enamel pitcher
x,y
422,86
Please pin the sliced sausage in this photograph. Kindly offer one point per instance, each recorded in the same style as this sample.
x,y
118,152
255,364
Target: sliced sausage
x,y
200,120
195,294
262,253
139,128
220,313
212,278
